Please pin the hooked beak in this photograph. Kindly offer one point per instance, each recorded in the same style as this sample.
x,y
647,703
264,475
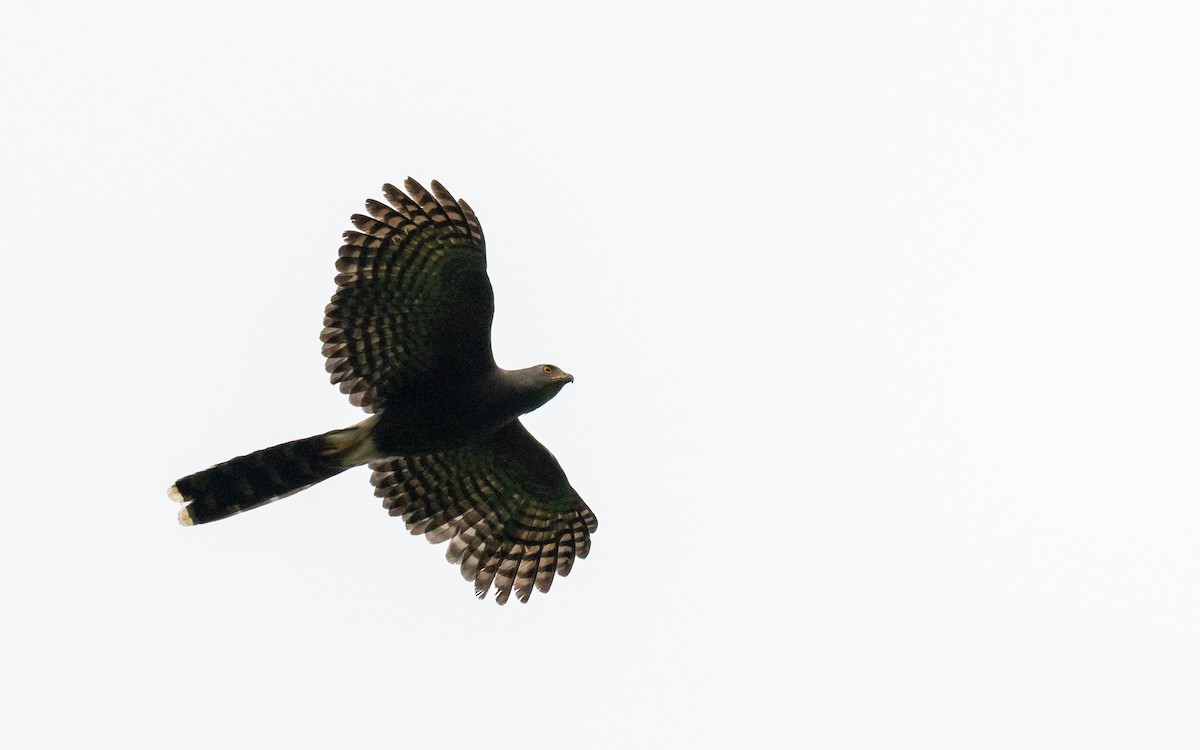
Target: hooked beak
x,y
566,377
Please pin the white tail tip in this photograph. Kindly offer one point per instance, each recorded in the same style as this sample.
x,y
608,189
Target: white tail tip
x,y
175,495
185,517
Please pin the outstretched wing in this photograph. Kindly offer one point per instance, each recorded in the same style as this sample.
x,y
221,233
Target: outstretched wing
x,y
414,303
512,518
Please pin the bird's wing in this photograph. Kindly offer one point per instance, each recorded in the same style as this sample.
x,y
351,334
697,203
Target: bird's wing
x,y
414,303
512,518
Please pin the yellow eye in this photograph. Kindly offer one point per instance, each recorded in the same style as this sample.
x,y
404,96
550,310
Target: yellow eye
x,y
547,369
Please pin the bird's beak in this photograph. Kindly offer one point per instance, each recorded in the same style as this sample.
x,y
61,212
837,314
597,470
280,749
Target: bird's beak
x,y
568,377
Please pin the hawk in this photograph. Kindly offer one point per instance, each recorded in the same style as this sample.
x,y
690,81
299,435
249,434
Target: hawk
x,y
408,337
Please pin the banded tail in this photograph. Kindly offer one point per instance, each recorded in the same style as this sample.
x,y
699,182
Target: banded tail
x,y
267,475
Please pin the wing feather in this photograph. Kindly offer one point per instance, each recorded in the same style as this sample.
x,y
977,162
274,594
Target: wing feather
x,y
511,518
414,304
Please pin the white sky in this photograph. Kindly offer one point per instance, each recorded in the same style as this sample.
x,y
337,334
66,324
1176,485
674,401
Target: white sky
x,y
883,318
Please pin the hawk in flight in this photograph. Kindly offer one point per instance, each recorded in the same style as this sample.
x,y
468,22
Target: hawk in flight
x,y
408,336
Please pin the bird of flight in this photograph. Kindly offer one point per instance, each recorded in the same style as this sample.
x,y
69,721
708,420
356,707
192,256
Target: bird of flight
x,y
408,336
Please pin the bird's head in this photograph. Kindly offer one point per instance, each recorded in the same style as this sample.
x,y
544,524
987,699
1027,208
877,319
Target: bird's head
x,y
543,383
538,384
553,375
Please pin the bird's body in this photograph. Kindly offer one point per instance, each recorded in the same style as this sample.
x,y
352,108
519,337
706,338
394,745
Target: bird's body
x,y
432,420
408,336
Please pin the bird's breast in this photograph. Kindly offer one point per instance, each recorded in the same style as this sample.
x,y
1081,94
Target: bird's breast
x,y
421,427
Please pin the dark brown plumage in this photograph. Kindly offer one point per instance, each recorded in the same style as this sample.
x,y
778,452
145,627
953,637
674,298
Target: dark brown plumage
x,y
408,337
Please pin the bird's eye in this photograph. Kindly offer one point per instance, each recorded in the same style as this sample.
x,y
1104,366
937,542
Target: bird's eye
x,y
547,369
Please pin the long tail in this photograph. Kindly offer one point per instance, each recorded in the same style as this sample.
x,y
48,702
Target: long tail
x,y
261,477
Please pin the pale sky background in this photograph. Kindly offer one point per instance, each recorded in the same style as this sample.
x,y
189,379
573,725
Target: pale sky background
x,y
883,318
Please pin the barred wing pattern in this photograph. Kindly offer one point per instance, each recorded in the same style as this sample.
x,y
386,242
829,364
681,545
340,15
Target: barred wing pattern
x,y
413,301
512,518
